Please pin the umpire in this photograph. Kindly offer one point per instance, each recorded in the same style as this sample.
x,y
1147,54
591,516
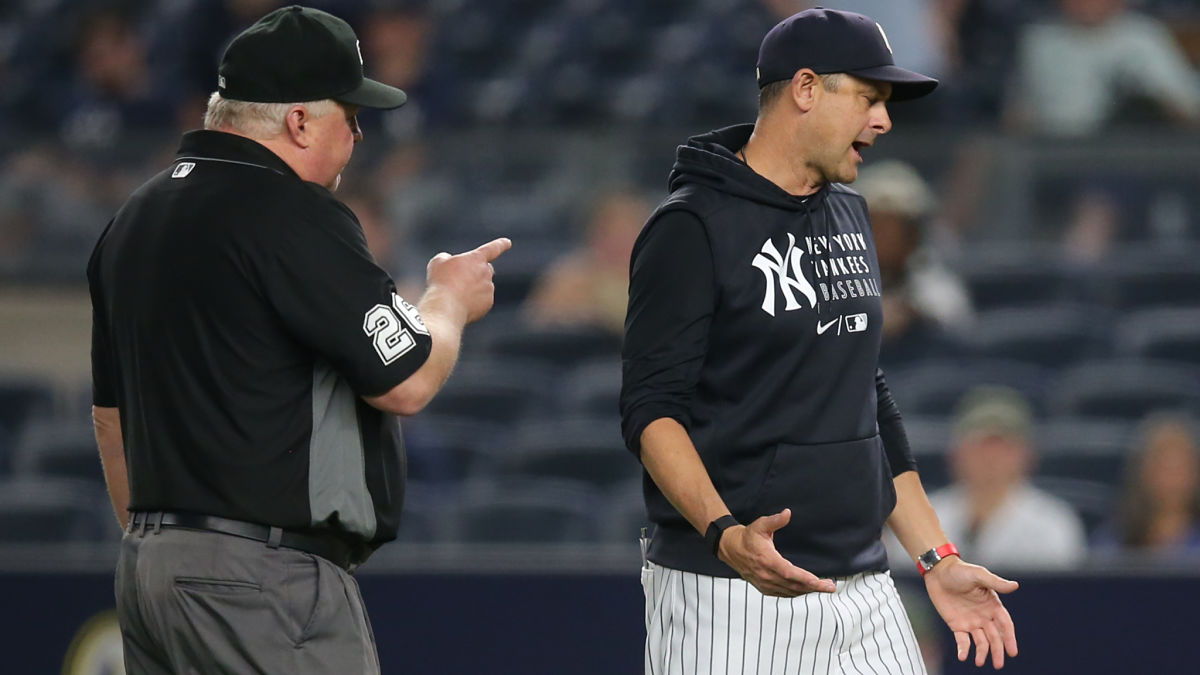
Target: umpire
x,y
248,359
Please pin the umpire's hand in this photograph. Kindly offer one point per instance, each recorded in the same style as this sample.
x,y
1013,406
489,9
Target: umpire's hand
x,y
750,549
467,277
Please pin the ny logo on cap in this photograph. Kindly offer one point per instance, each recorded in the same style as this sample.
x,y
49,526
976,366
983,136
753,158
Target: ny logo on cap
x,y
885,40
221,81
358,46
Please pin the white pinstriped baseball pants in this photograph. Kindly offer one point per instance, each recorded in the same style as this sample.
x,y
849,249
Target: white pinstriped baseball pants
x,y
702,625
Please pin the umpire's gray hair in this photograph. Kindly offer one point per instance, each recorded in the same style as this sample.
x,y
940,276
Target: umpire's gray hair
x,y
257,120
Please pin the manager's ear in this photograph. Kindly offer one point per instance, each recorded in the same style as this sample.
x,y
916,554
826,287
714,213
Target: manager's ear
x,y
297,122
804,89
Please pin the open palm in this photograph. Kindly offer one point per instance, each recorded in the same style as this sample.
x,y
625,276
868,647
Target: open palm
x,y
967,597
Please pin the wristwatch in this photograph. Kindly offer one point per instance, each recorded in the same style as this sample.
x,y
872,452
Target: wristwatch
x,y
933,556
716,528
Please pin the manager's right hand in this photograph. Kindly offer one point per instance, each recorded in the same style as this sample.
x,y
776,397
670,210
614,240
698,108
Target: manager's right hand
x,y
467,277
750,550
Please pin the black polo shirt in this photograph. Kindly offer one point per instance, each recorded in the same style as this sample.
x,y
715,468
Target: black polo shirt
x,y
238,320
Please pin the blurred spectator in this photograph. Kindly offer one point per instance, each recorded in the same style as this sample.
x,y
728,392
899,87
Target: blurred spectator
x,y
114,90
924,303
590,285
980,38
1098,64
396,50
992,512
1159,513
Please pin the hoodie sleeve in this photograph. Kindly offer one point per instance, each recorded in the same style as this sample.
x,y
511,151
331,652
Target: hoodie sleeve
x,y
891,429
671,299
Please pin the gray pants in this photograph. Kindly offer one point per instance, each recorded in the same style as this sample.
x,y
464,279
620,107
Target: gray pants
x,y
204,602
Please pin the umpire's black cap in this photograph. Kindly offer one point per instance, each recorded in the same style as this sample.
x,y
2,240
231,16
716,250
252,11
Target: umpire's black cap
x,y
297,54
833,41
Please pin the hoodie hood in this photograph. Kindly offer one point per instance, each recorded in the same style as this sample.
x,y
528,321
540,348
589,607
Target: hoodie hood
x,y
711,160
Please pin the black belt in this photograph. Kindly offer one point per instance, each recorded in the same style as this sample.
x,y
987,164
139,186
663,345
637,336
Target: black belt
x,y
328,546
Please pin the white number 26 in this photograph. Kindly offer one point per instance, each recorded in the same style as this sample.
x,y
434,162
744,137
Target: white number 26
x,y
392,338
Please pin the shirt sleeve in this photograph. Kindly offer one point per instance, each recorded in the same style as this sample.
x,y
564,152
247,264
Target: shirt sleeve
x,y
891,429
333,297
671,300
104,385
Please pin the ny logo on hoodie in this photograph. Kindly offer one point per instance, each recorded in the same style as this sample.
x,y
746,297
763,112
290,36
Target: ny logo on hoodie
x,y
785,271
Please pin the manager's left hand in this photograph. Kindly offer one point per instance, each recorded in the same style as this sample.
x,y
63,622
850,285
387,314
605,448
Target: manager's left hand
x,y
966,597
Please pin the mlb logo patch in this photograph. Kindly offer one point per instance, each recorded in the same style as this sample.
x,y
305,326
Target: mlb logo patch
x,y
183,169
856,323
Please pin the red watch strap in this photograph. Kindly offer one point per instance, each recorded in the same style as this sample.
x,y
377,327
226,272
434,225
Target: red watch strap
x,y
944,551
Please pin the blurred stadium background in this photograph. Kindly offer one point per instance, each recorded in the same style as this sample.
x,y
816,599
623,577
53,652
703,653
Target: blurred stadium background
x,y
1043,234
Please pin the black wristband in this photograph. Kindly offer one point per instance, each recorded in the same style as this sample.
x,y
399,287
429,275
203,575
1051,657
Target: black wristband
x,y
716,528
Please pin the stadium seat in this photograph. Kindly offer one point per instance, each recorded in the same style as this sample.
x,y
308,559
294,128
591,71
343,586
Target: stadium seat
x,y
524,511
935,388
624,514
1164,334
1008,276
35,509
1095,502
1125,389
501,391
1083,449
59,448
22,398
588,450
446,448
1049,336
592,388
557,346
1153,277
929,439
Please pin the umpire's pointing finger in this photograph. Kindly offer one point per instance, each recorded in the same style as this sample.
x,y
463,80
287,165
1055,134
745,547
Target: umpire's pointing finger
x,y
494,248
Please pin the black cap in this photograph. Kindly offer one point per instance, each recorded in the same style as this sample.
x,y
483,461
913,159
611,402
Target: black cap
x,y
300,54
833,41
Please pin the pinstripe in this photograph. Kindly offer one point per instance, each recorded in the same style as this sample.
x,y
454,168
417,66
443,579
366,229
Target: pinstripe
x,y
787,650
745,621
729,620
841,613
888,628
761,607
832,638
651,593
712,632
774,636
910,636
854,593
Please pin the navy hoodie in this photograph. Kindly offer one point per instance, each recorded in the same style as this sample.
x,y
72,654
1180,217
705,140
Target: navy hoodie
x,y
754,320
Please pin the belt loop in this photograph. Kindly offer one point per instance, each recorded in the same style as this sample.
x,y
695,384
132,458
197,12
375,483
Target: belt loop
x,y
158,518
145,522
274,536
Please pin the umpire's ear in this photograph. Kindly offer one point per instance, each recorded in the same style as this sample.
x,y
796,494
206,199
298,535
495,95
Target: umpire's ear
x,y
298,122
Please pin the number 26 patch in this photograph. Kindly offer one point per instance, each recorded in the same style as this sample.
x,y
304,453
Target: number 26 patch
x,y
391,328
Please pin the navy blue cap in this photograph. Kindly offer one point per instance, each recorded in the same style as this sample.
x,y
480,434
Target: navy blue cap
x,y
833,41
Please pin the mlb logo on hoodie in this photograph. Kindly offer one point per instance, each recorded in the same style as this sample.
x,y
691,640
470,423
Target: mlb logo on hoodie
x,y
856,323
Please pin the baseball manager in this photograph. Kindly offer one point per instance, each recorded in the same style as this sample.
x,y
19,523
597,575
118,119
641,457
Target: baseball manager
x,y
773,449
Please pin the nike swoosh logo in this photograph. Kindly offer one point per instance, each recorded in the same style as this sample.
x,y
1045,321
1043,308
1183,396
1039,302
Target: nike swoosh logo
x,y
821,329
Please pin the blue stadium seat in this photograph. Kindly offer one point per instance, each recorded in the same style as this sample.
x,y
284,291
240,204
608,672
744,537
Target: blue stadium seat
x,y
524,511
591,388
557,346
1009,276
1163,334
1125,389
497,391
1083,449
63,448
35,509
935,388
1049,336
623,516
448,448
1154,277
588,450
